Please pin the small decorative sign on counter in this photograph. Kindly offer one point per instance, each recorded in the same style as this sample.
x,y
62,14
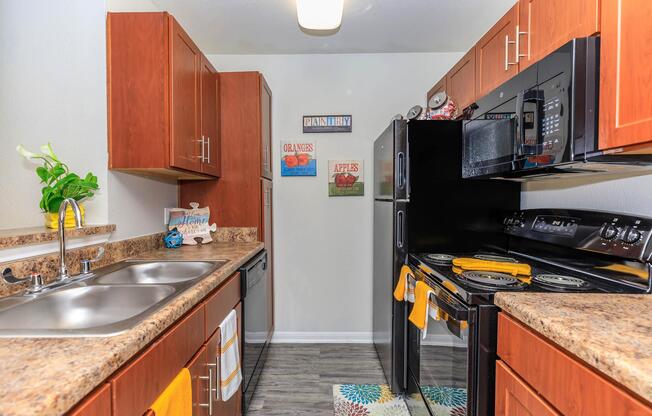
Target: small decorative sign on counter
x,y
328,124
345,178
298,159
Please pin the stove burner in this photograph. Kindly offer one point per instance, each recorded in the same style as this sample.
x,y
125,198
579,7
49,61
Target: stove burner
x,y
441,259
560,281
491,257
490,279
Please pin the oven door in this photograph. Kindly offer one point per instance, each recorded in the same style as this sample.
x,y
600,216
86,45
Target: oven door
x,y
441,367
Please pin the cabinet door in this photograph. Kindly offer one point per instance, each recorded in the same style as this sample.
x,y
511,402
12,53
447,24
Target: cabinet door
x,y
267,238
460,81
496,54
266,128
515,398
234,405
209,118
185,143
97,403
437,88
625,73
545,25
199,371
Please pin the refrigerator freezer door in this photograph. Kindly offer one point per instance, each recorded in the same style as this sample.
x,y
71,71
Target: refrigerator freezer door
x,y
390,162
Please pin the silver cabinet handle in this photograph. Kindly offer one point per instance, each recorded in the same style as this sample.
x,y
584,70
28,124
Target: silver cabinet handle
x,y
208,150
520,55
202,156
210,389
217,374
507,43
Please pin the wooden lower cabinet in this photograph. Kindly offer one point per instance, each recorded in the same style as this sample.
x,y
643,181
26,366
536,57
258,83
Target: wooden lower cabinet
x,y
530,363
200,377
515,398
97,403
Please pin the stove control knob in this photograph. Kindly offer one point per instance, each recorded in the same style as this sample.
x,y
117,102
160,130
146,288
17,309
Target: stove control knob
x,y
609,232
632,235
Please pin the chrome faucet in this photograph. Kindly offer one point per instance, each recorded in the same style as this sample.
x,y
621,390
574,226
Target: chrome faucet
x,y
63,270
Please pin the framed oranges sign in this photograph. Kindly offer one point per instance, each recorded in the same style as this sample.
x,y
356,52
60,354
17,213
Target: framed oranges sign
x,y
345,178
298,159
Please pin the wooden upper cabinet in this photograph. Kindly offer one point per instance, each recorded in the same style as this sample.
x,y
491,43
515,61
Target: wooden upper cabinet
x,y
185,58
154,78
209,121
625,73
515,398
460,81
266,128
436,89
545,25
495,54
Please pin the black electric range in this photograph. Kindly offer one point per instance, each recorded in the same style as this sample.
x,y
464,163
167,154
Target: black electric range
x,y
451,368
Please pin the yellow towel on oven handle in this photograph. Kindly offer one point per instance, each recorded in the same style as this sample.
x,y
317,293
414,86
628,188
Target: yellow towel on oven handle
x,y
420,310
401,290
514,269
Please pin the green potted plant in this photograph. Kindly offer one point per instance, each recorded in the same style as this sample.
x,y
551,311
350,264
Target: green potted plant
x,y
59,184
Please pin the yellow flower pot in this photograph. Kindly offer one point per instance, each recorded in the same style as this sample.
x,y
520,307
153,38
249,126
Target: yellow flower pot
x,y
52,219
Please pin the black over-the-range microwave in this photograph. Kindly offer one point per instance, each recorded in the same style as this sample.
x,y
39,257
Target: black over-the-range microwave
x,y
543,117
543,121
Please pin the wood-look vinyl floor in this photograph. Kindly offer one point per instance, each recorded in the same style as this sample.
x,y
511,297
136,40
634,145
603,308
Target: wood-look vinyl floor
x,y
298,378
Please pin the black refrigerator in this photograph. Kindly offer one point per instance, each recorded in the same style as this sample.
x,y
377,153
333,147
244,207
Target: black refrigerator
x,y
422,204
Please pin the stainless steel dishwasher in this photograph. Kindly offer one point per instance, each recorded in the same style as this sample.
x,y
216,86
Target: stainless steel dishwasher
x,y
256,322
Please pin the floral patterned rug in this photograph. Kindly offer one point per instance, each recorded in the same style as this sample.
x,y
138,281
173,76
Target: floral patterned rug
x,y
367,400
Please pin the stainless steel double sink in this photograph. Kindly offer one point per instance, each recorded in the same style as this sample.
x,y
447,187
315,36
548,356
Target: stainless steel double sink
x,y
107,302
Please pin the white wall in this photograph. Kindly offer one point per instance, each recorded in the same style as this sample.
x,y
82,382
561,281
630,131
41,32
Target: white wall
x,y
623,194
323,246
53,88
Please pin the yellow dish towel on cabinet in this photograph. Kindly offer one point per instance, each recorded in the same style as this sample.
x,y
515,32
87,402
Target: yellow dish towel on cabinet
x,y
514,269
421,309
176,399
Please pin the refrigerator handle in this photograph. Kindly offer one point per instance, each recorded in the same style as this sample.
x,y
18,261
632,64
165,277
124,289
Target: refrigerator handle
x,y
400,157
400,227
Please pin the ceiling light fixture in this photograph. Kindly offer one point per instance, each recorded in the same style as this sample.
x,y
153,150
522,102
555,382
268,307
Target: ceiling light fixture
x,y
320,14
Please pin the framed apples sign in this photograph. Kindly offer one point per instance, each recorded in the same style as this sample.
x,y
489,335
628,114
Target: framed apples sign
x,y
345,178
298,159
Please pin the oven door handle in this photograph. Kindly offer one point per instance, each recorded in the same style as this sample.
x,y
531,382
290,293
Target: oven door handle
x,y
456,312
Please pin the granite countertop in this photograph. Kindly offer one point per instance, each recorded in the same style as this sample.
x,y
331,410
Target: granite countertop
x,y
611,333
49,376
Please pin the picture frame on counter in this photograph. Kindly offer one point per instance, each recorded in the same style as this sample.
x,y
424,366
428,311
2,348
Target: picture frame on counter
x,y
341,123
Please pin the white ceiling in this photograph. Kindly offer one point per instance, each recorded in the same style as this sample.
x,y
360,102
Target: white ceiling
x,y
368,26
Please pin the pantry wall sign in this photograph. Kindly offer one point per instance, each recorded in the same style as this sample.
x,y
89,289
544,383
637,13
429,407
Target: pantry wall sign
x,y
298,158
342,123
345,178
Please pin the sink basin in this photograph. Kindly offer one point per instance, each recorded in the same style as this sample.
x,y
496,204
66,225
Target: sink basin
x,y
108,302
161,272
88,310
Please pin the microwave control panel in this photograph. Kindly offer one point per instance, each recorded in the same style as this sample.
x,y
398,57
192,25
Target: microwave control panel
x,y
620,235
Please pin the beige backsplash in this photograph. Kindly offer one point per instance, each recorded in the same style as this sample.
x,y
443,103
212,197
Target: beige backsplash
x,y
48,264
